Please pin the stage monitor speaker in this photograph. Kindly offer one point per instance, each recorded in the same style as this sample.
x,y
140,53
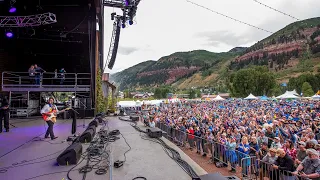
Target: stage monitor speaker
x,y
94,122
93,127
135,118
87,135
71,155
154,132
99,119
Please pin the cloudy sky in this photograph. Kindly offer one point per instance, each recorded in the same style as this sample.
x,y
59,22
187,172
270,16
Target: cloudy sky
x,y
163,27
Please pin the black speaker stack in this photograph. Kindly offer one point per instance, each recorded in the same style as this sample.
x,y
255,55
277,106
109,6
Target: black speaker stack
x,y
72,154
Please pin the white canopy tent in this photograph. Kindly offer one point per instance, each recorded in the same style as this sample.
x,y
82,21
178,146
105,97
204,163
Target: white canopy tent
x,y
289,95
315,97
127,104
218,98
250,97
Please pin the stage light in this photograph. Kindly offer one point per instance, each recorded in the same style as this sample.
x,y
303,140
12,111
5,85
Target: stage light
x,y
9,34
123,25
130,22
12,10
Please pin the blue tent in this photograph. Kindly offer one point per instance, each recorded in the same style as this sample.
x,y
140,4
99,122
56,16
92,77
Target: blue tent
x,y
264,98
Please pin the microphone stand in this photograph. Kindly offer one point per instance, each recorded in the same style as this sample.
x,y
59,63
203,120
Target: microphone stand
x,y
84,113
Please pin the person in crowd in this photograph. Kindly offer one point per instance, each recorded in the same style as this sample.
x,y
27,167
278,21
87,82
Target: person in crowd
x,y
284,124
231,153
152,124
301,153
244,149
190,132
276,143
289,148
262,138
4,114
283,166
310,166
268,160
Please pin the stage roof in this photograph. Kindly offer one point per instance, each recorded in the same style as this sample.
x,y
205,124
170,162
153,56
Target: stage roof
x,y
64,44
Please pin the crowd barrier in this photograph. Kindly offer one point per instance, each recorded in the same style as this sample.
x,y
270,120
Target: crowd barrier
x,y
250,167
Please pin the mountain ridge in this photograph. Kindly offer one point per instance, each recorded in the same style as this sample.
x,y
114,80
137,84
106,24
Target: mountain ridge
x,y
280,52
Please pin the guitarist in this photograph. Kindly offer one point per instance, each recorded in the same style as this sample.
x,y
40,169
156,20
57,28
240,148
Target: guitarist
x,y
49,113
4,114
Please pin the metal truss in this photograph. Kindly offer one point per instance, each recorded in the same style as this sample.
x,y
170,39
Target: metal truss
x,y
28,21
121,3
115,3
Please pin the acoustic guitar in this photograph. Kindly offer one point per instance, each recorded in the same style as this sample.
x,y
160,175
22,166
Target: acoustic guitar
x,y
53,115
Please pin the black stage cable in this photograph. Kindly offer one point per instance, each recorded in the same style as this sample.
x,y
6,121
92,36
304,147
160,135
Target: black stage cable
x,y
172,153
229,17
276,10
28,141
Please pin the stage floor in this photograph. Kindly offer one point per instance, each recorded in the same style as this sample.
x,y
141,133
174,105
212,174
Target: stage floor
x,y
28,158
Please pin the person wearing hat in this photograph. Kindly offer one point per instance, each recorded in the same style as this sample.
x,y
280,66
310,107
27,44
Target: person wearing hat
x,y
269,158
310,166
302,152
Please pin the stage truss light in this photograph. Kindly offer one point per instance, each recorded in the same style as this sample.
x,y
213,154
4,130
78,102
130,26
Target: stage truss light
x,y
9,34
12,10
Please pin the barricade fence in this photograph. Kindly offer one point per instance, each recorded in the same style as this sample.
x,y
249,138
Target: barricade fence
x,y
250,167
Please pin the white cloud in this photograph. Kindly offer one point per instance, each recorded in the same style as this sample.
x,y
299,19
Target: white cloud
x,y
167,26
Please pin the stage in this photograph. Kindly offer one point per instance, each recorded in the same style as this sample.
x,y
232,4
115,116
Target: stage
x,y
146,158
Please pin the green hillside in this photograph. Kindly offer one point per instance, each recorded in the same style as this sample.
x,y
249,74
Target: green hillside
x,y
289,52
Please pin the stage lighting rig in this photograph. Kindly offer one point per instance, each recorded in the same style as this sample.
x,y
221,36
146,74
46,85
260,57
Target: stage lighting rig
x,y
129,8
28,21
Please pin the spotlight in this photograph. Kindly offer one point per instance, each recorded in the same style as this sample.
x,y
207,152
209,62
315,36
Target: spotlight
x,y
130,22
9,34
123,25
12,10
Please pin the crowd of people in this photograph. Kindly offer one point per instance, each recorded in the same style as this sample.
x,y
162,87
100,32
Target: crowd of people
x,y
278,138
36,74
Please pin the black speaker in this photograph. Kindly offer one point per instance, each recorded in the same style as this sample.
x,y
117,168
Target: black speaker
x,y
71,155
94,122
88,134
134,118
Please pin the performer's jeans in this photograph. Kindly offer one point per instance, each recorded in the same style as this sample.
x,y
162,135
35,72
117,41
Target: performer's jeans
x,y
50,130
5,116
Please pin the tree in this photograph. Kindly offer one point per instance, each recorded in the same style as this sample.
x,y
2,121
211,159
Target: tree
x,y
307,89
102,102
257,80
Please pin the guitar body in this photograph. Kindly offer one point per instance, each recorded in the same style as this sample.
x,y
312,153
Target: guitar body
x,y
53,115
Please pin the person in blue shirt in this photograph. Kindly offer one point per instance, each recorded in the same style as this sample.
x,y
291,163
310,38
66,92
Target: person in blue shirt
x,y
244,149
231,153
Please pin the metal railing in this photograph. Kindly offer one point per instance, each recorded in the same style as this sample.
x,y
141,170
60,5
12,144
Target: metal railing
x,y
222,155
45,80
